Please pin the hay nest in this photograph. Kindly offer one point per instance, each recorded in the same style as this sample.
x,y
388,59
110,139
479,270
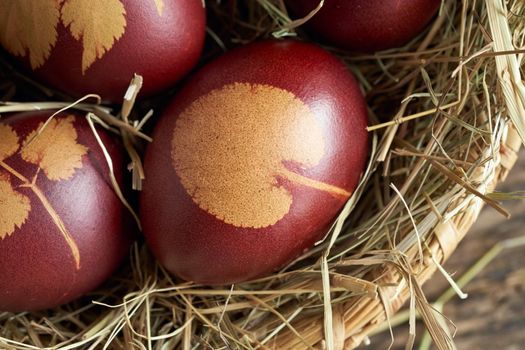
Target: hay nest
x,y
447,111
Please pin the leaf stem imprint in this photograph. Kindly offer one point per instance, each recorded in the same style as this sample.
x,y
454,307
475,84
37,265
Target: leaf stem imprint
x,y
318,185
47,205
14,172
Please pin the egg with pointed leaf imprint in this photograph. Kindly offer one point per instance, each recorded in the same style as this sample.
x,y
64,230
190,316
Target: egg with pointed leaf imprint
x,y
63,230
367,25
95,46
252,161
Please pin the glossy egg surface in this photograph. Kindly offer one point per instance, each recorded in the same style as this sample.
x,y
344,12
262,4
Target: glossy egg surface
x,y
252,161
367,25
63,230
95,46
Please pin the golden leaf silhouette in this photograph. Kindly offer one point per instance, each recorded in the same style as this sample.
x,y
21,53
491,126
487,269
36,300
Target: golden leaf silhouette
x,y
229,148
14,207
29,26
9,141
160,6
99,23
55,150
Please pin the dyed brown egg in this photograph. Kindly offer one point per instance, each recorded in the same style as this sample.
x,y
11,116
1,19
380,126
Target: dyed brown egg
x,y
367,25
63,230
95,46
252,161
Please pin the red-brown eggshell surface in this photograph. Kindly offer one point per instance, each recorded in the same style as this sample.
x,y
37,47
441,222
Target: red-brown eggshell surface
x,y
95,46
367,25
252,161
61,178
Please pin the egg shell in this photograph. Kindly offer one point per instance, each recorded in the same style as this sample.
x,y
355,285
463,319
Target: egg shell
x,y
367,25
187,229
160,40
38,267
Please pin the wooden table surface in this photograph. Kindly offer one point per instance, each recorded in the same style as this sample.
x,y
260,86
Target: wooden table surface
x,y
493,315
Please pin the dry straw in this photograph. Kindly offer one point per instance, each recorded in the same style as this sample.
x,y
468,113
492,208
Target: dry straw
x,y
446,114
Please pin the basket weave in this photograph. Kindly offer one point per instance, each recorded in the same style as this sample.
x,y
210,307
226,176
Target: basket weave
x,y
357,318
392,235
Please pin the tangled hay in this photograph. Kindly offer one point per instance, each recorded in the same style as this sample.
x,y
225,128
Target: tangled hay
x,y
446,115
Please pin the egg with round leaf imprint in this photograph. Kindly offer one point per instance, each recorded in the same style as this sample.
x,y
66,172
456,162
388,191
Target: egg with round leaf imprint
x,y
63,229
95,46
252,161
367,25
